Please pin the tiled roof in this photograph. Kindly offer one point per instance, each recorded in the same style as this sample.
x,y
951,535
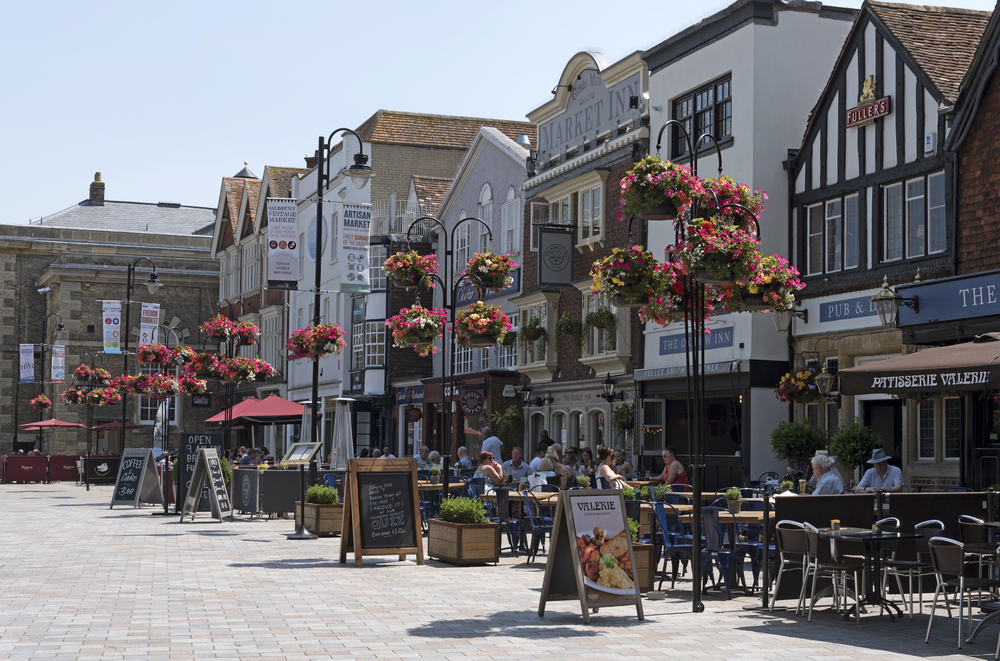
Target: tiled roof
x,y
406,128
143,217
941,41
280,179
234,194
430,193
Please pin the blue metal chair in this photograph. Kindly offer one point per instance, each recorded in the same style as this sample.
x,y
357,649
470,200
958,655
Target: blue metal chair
x,y
501,515
715,554
770,475
538,526
668,529
681,488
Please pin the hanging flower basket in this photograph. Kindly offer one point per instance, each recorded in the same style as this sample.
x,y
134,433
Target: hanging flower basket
x,y
728,192
418,327
720,255
805,397
247,369
73,396
181,356
492,270
655,186
153,354
509,339
203,365
103,396
165,386
663,212
602,319
246,332
407,269
99,376
192,386
626,275
137,385
315,342
218,328
41,403
798,385
769,287
481,325
532,333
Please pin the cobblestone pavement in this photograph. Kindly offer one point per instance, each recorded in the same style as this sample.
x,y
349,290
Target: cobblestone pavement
x,y
81,581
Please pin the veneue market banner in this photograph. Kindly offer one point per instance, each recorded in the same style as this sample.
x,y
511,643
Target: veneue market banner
x,y
971,366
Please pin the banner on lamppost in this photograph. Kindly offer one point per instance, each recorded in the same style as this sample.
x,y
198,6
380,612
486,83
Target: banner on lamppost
x,y
355,228
149,320
112,324
282,243
27,363
58,363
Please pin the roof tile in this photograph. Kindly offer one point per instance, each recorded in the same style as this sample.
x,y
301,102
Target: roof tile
x,y
430,193
446,131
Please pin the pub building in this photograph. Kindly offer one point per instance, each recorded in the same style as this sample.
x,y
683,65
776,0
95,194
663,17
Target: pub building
x,y
873,200
589,134
729,76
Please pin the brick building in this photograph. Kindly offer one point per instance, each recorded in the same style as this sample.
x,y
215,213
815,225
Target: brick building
x,y
65,264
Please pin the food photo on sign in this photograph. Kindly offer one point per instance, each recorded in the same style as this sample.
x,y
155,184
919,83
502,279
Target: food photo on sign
x,y
602,540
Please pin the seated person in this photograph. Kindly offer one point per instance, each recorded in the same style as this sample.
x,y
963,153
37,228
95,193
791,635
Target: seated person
x,y
566,476
250,459
673,470
463,463
621,464
490,469
421,458
611,479
433,459
571,460
515,468
586,465
539,455
881,476
811,484
827,482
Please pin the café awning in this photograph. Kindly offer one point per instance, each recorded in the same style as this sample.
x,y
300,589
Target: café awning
x,y
270,410
970,366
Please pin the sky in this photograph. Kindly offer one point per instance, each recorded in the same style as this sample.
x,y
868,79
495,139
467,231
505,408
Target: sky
x,y
164,99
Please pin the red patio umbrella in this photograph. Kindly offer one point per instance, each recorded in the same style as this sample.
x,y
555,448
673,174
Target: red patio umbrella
x,y
271,410
48,424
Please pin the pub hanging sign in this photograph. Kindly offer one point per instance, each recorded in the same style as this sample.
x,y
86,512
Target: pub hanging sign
x,y
869,108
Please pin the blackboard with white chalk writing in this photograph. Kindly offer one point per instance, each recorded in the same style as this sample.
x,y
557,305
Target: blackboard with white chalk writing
x,y
386,510
137,482
218,483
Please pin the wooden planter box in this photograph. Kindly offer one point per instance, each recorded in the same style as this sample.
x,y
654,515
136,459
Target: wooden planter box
x,y
645,566
463,543
322,520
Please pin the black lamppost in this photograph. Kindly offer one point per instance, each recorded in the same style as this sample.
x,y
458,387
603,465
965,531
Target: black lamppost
x,y
59,329
153,284
359,173
449,295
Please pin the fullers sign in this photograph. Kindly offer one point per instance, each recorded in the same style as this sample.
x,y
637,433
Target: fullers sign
x,y
869,108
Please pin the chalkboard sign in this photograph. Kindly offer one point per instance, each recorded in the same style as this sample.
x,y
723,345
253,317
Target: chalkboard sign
x,y
137,482
381,510
188,455
386,507
208,467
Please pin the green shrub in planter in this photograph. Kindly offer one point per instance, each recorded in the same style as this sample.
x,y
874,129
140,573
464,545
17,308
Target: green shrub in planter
x,y
797,442
733,494
322,495
633,530
463,510
583,481
433,470
853,443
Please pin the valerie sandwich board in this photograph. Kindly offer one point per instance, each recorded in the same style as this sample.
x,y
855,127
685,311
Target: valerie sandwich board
x,y
590,544
208,467
381,510
137,483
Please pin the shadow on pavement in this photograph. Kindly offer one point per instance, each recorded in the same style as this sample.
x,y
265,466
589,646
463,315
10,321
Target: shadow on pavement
x,y
485,627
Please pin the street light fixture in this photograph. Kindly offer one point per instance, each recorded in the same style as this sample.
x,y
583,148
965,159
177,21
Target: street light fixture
x,y
824,383
153,284
608,384
782,319
888,301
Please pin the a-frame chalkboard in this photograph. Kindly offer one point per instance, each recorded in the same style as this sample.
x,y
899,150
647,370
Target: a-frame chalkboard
x,y
137,483
208,467
589,522
381,510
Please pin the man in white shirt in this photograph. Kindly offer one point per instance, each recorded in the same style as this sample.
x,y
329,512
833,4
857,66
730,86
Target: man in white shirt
x,y
387,453
515,467
492,444
539,455
881,476
421,457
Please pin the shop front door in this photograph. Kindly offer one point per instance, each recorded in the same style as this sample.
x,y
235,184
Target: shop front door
x,y
885,417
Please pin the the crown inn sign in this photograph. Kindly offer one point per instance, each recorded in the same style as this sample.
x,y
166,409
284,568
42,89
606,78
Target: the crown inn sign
x,y
869,108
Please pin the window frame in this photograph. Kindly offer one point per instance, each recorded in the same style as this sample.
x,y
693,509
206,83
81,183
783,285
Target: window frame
x,y
936,215
509,225
377,254
819,249
685,109
375,342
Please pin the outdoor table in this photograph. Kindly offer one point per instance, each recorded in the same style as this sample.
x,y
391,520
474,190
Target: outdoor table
x,y
873,560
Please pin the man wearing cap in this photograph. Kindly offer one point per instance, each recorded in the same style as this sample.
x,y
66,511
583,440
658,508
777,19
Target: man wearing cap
x,y
881,476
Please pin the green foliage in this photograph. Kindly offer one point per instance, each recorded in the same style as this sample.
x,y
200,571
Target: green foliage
x,y
570,326
463,510
433,470
733,494
633,529
533,323
797,442
853,443
583,481
787,484
319,494
509,426
603,318
227,473
628,491
623,418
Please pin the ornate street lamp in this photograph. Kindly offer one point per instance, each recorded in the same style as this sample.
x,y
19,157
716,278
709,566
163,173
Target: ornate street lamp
x,y
783,319
887,302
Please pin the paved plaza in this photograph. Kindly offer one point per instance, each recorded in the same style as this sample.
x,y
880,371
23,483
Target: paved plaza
x,y
81,581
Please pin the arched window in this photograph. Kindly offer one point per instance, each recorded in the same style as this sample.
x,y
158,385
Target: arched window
x,y
510,222
486,213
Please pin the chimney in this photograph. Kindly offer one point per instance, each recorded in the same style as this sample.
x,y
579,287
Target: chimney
x,y
97,190
311,161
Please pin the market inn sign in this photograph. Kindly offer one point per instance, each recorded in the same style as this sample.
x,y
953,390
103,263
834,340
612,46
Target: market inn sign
x,y
869,108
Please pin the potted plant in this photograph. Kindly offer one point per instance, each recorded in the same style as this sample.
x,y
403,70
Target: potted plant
x,y
786,485
770,287
734,499
623,418
463,535
718,254
645,563
418,327
583,481
509,340
435,474
314,342
99,376
102,396
656,189
602,319
407,269
798,385
248,369
203,365
533,330
797,442
246,332
481,325
324,511
41,403
165,386
627,275
728,192
492,270
853,443
192,386
570,326
152,354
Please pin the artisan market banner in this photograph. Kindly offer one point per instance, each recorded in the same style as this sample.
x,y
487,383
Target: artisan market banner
x,y
282,243
112,324
58,364
355,228
148,323
27,363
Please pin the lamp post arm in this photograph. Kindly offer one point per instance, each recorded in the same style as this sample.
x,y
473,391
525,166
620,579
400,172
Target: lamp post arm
x,y
669,122
697,148
433,220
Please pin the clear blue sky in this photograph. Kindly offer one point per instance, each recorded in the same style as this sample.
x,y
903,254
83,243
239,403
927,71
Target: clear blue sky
x,y
166,98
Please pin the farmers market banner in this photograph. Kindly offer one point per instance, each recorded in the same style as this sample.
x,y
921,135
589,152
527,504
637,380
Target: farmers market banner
x,y
282,243
355,229
149,321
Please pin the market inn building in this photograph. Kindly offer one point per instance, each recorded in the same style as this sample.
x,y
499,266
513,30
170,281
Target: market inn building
x,y
874,196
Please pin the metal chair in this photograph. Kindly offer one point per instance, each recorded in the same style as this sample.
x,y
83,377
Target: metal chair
x,y
501,516
948,559
975,538
538,525
791,543
914,568
820,561
770,475
715,552
668,528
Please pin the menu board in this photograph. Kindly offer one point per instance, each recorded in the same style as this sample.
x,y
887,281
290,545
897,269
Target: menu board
x,y
208,468
218,484
137,482
381,510
386,510
190,445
